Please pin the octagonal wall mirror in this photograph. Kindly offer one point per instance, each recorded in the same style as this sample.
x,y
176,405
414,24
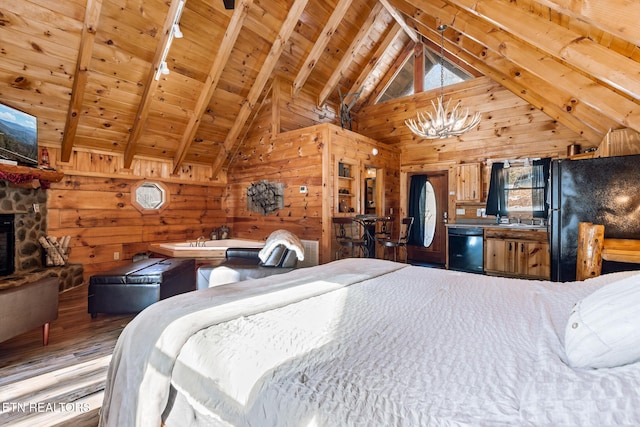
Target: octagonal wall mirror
x,y
149,197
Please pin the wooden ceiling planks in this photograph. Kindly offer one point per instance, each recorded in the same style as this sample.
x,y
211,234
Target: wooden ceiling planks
x,y
213,77
259,83
320,44
618,17
394,33
397,16
357,42
150,85
583,54
92,14
546,67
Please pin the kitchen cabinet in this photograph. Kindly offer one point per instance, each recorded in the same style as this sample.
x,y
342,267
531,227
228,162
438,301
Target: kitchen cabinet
x,y
517,253
347,187
468,182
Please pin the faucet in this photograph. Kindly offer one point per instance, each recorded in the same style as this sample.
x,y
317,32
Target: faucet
x,y
200,241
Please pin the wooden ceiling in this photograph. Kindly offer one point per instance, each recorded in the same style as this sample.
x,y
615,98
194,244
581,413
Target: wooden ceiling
x,y
87,68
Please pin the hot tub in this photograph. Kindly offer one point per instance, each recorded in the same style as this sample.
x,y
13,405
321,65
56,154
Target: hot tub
x,y
210,249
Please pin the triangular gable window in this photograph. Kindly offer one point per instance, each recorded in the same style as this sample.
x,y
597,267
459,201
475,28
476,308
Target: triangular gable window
x,y
402,84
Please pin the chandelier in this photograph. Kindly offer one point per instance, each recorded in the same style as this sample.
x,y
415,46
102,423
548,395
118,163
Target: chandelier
x,y
441,123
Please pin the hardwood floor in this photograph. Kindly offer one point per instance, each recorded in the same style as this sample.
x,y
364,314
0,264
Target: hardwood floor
x,y
61,384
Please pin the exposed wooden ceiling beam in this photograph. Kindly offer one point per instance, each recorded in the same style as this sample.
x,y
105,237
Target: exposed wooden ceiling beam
x,y
418,68
585,55
556,103
543,95
213,78
400,20
395,68
150,86
91,17
269,96
350,54
393,34
602,99
618,17
260,82
318,47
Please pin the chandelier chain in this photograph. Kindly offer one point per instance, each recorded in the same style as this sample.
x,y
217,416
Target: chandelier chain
x,y
441,28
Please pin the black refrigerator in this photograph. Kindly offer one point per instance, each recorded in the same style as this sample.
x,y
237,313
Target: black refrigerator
x,y
602,191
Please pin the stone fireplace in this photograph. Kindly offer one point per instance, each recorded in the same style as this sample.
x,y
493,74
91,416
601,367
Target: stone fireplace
x,y
29,209
29,225
7,245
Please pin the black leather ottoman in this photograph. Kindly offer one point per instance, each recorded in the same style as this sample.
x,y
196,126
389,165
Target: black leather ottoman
x,y
132,288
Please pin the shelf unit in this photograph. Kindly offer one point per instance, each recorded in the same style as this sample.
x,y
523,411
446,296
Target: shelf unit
x,y
347,187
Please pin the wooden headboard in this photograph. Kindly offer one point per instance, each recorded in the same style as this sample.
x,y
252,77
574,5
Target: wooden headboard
x,y
593,248
621,250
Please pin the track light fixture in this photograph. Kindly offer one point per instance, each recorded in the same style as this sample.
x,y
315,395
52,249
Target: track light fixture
x,y
175,32
164,68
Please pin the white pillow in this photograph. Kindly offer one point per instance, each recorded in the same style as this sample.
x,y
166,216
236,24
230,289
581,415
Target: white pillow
x,y
604,328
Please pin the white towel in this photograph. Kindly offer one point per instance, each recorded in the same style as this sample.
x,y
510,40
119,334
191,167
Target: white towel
x,y
282,237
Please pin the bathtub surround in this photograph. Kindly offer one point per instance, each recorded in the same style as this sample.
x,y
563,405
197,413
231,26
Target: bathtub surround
x,y
213,251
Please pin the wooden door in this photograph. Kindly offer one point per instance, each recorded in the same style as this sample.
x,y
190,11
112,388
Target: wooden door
x,y
436,253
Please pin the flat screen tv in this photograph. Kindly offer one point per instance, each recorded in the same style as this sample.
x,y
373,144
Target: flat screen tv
x,y
18,136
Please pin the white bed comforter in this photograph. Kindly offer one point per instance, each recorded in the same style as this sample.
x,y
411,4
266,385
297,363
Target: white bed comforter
x,y
414,347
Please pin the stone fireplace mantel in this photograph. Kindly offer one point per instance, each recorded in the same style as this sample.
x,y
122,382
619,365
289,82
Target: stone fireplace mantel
x,y
24,175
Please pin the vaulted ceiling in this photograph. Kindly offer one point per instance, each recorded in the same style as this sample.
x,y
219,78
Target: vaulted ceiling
x,y
88,68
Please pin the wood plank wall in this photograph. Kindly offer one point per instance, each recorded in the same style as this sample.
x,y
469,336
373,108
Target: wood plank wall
x,y
295,159
92,204
284,146
510,128
98,215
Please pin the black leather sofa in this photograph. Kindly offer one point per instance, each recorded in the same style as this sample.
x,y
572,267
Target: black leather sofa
x,y
244,263
132,288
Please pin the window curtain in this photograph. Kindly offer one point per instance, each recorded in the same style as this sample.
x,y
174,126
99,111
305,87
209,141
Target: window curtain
x,y
417,200
540,184
496,204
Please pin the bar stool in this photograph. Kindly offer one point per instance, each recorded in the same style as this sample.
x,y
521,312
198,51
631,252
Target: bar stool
x,y
349,236
399,242
385,229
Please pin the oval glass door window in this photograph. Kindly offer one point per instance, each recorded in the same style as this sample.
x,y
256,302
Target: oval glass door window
x,y
430,214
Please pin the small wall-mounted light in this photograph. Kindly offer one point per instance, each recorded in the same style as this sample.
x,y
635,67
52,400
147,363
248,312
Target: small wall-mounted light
x,y
374,151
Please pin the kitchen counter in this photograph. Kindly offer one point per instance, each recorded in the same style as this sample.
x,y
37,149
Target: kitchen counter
x,y
513,226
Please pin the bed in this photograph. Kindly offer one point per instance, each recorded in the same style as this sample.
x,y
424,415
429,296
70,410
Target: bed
x,y
375,343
